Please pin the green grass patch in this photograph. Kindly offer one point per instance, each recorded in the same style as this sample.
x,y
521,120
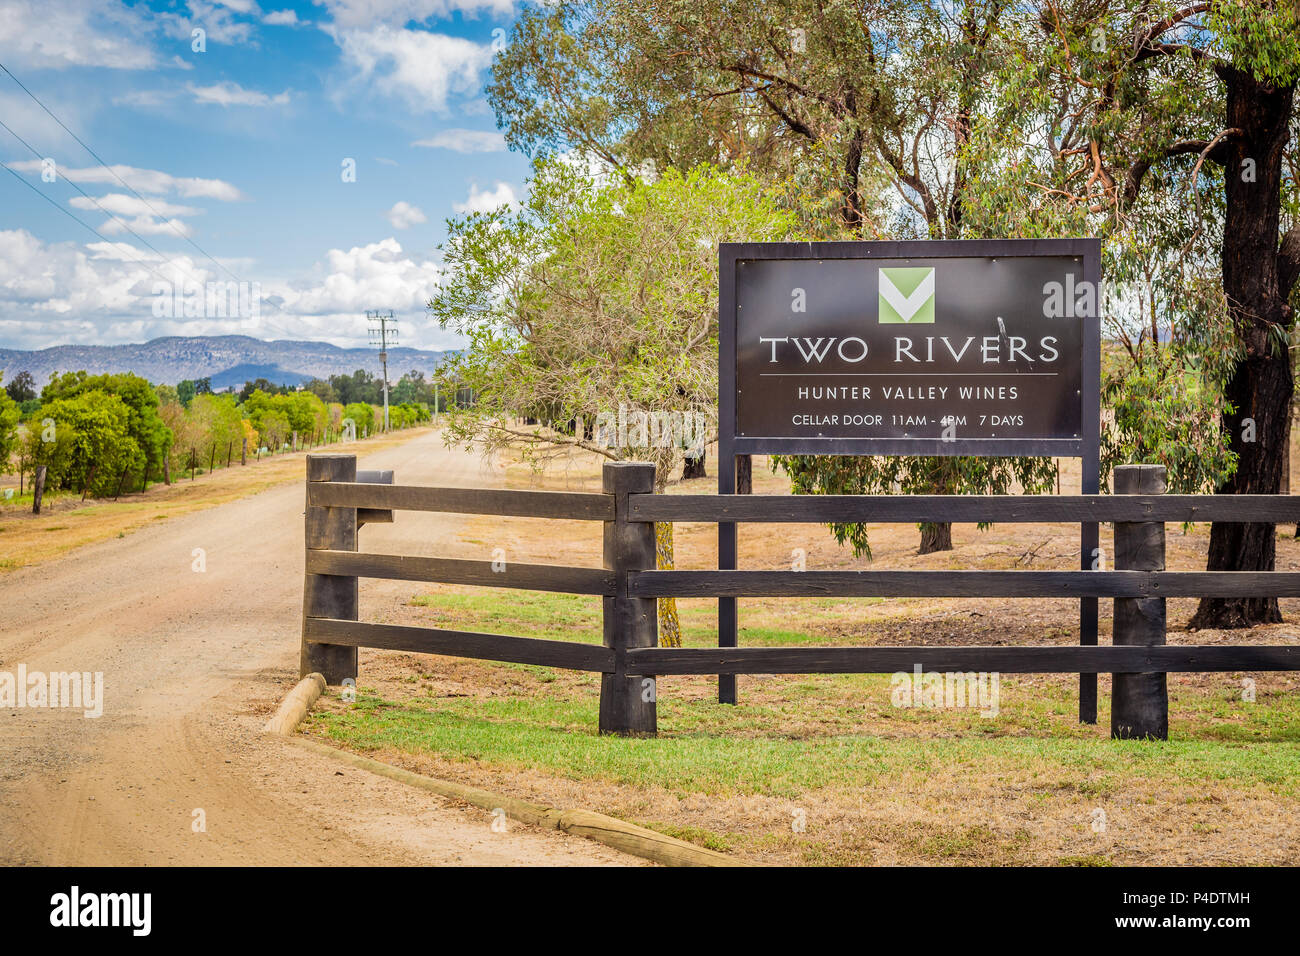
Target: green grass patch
x,y
713,749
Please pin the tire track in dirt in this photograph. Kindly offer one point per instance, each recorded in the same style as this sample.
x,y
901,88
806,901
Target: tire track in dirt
x,y
193,665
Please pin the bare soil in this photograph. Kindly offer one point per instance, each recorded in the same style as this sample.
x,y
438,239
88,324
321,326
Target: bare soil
x,y
194,663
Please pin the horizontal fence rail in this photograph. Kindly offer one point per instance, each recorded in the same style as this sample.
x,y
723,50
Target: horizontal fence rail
x,y
466,501
1066,659
340,500
401,567
432,640
1062,584
826,509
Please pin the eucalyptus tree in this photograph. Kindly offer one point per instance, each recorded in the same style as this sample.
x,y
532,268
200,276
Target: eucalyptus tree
x,y
862,110
593,306
1129,97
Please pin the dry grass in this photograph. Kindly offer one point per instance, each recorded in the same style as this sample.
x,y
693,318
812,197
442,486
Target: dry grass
x,y
66,522
871,782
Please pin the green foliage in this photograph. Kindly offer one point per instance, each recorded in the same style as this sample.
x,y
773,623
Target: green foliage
x,y
407,414
267,386
1263,38
277,417
85,441
911,475
218,424
591,297
1162,412
150,435
22,388
362,415
10,415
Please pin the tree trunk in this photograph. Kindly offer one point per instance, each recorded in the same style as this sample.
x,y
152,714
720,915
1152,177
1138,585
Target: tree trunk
x,y
1262,384
744,474
670,627
936,537
942,480
38,489
694,468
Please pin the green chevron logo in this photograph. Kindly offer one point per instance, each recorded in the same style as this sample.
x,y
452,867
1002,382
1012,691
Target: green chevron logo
x,y
907,296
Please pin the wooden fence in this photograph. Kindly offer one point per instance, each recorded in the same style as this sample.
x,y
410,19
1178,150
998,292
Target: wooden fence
x,y
339,500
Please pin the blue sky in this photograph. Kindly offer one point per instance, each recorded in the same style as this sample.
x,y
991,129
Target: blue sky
x,y
241,148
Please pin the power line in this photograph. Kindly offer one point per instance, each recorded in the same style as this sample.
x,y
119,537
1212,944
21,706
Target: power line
x,y
111,215
115,175
18,176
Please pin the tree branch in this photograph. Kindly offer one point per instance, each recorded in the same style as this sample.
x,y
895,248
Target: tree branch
x,y
796,125
1216,151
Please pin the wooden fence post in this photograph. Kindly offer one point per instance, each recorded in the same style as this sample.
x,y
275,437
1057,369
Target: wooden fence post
x,y
1139,703
329,595
627,702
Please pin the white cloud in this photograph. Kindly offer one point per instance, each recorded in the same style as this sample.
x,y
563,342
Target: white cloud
x,y
218,22
367,13
378,275
37,34
425,69
145,226
486,200
403,215
281,18
143,180
465,141
227,93
123,205
145,98
74,293
130,214
56,293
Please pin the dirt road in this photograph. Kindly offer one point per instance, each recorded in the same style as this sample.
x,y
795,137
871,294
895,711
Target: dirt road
x,y
193,663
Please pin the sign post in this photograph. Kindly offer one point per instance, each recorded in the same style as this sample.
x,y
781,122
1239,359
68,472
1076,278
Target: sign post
x,y
962,347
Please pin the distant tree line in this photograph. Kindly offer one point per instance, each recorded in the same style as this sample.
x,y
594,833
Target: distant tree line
x,y
101,435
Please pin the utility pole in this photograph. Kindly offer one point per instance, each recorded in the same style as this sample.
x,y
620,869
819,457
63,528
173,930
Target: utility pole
x,y
383,330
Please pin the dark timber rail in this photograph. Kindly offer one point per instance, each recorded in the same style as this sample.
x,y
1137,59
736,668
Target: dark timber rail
x,y
339,500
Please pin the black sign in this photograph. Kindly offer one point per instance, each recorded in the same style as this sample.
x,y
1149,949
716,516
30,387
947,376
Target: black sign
x,y
949,348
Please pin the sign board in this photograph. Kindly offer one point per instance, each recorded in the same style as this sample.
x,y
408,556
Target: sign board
x,y
926,348
966,347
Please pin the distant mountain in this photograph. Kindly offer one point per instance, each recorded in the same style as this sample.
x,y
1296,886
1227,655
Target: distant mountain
x,y
237,376
226,359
